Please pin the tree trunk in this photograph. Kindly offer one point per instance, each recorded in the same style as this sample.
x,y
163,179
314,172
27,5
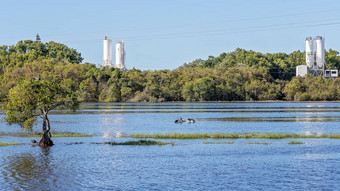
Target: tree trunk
x,y
45,140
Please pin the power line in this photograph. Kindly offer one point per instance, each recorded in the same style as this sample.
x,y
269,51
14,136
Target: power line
x,y
195,24
219,32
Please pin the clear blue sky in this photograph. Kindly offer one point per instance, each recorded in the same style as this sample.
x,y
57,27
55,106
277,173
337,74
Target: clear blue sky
x,y
162,34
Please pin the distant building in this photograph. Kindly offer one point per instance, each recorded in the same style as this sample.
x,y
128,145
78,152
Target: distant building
x,y
120,55
315,60
301,70
331,74
107,52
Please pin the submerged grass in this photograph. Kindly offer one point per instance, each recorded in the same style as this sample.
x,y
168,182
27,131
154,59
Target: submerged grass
x,y
140,142
232,136
259,143
66,134
71,135
218,142
295,143
8,144
75,143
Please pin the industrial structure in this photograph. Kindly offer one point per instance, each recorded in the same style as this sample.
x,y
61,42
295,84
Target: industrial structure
x,y
107,54
315,59
120,55
310,52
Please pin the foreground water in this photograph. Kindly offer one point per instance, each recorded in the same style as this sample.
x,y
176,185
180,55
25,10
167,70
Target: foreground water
x,y
189,164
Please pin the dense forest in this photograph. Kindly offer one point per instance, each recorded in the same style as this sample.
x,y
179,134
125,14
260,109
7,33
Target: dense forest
x,y
241,75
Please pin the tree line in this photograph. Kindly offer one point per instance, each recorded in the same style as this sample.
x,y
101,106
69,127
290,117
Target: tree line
x,y
240,75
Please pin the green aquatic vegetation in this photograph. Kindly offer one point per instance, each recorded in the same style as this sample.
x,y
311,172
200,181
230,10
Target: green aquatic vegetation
x,y
259,143
66,134
140,142
231,136
71,135
295,143
230,142
8,144
75,143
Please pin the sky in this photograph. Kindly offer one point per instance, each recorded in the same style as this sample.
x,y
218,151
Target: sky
x,y
165,34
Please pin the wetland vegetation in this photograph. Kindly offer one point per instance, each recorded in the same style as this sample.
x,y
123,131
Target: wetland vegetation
x,y
213,145
39,134
233,136
229,142
295,143
140,142
259,143
8,144
37,77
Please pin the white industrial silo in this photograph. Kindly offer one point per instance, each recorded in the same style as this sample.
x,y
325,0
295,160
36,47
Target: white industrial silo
x,y
320,51
310,52
120,55
107,52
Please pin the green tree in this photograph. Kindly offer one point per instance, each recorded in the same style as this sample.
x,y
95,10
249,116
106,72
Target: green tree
x,y
32,98
332,59
37,38
205,89
188,92
111,92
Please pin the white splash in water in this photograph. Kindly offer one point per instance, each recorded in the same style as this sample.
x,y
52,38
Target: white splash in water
x,y
107,134
308,133
119,134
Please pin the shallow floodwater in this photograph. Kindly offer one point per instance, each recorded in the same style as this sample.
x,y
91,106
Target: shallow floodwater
x,y
186,165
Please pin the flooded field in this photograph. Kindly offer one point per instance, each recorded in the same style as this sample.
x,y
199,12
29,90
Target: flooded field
x,y
75,163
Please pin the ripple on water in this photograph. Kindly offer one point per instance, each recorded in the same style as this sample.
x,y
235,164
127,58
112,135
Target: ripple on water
x,y
190,164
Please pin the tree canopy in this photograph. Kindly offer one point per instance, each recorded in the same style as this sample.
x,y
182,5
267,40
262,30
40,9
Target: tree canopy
x,y
36,78
33,97
241,75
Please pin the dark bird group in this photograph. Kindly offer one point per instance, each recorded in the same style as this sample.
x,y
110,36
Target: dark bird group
x,y
180,120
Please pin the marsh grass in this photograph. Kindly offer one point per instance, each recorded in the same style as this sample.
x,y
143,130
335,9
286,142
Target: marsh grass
x,y
295,143
71,135
65,134
75,143
259,143
8,144
231,136
140,142
218,142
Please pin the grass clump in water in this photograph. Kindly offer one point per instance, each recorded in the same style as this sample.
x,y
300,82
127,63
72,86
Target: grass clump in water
x,y
259,143
71,135
8,144
231,136
218,142
295,143
140,142
75,143
66,134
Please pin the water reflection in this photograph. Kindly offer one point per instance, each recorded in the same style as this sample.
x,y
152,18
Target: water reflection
x,y
27,170
112,119
113,125
278,119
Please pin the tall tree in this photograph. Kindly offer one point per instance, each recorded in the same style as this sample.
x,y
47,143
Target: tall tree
x,y
35,97
37,38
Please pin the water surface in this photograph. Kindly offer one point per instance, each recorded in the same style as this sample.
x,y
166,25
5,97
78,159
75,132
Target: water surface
x,y
189,164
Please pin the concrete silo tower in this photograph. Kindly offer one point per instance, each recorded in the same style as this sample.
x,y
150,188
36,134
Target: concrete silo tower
x,y
107,52
320,51
315,60
310,52
120,55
